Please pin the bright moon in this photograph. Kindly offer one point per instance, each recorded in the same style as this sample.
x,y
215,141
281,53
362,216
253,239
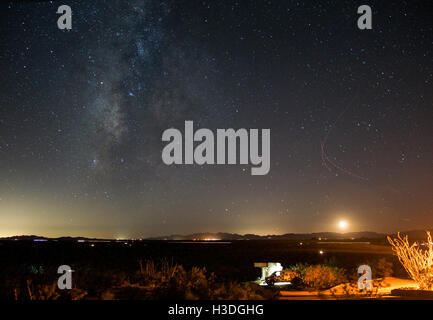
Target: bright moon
x,y
342,224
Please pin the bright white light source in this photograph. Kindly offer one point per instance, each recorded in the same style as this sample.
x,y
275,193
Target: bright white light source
x,y
320,252
342,224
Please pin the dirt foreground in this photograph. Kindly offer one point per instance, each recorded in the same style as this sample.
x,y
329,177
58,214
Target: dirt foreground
x,y
381,289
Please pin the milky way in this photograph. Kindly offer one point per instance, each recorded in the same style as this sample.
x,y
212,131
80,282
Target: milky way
x,y
82,113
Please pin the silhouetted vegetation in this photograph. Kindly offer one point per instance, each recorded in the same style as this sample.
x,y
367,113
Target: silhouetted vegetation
x,y
163,270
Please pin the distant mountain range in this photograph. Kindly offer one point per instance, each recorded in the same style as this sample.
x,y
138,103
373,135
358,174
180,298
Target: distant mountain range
x,y
33,237
413,235
287,236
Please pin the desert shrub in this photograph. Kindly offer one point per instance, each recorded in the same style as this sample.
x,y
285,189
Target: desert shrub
x,y
384,268
236,291
96,281
167,280
153,281
331,262
417,260
300,267
322,277
51,292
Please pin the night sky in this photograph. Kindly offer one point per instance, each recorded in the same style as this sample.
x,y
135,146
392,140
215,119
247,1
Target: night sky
x,y
82,113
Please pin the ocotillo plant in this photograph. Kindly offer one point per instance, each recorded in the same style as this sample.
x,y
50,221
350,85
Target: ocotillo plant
x,y
416,259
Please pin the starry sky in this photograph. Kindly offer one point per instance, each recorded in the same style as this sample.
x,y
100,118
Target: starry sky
x,y
82,113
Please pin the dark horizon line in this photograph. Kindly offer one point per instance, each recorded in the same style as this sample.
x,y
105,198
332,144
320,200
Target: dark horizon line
x,y
184,236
